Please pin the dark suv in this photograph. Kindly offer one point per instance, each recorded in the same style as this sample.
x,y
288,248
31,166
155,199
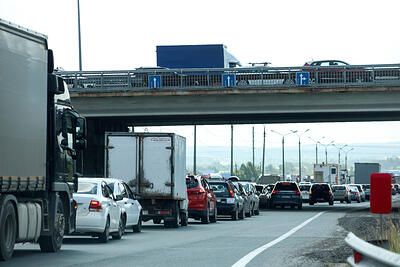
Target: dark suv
x,y
286,194
229,200
321,193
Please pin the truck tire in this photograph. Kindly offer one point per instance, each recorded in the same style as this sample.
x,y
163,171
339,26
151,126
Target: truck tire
x,y
175,222
138,227
103,237
206,218
53,242
184,219
8,231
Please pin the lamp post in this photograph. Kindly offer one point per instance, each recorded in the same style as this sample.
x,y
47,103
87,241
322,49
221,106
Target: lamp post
x,y
326,150
345,158
339,148
79,38
316,147
283,152
299,135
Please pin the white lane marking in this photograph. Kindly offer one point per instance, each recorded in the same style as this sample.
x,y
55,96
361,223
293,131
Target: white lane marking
x,y
246,259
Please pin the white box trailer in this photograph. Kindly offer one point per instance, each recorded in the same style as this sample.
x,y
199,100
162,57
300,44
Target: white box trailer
x,y
154,166
327,173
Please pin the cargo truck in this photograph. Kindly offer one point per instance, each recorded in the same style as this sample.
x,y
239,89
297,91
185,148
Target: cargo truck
x,y
154,166
40,139
195,56
327,173
362,172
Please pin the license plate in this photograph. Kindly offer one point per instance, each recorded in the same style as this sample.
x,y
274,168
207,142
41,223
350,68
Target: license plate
x,y
145,212
320,199
285,196
218,200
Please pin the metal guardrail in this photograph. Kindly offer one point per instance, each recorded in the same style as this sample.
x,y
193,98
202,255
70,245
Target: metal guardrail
x,y
262,77
366,254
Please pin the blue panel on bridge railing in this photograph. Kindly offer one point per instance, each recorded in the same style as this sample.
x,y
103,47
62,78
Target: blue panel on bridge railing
x,y
228,80
154,81
302,78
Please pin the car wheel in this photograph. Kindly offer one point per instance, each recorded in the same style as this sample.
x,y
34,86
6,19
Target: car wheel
x,y
214,218
331,203
184,219
257,211
348,201
157,221
8,230
241,214
53,242
300,206
121,229
358,200
341,201
311,203
138,227
103,237
235,215
206,218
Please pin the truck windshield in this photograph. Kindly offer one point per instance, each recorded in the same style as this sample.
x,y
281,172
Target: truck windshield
x,y
87,188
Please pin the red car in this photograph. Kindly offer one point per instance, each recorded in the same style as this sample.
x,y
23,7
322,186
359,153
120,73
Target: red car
x,y
202,200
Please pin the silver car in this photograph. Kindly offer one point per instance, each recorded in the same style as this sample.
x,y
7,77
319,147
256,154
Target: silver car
x,y
255,200
354,193
305,192
98,213
341,193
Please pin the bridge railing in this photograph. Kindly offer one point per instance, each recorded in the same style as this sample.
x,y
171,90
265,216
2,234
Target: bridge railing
x,y
262,77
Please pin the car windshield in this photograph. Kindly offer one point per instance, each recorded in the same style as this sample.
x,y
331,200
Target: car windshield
x,y
87,188
286,186
220,189
304,187
192,183
353,188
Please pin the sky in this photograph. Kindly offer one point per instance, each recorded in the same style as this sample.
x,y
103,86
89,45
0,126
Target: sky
x,y
123,35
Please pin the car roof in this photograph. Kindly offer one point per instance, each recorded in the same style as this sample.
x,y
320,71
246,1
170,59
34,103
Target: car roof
x,y
85,179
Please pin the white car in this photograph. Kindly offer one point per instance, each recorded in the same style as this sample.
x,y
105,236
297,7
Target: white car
x,y
98,213
131,208
305,191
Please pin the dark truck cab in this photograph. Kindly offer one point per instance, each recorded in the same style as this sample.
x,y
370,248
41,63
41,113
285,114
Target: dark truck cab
x,y
41,137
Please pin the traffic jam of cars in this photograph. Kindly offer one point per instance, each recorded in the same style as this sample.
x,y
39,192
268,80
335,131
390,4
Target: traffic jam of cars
x,y
107,207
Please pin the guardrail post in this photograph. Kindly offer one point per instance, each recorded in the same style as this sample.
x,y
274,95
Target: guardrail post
x,y
316,76
181,78
344,75
129,79
76,80
101,80
262,76
208,78
373,74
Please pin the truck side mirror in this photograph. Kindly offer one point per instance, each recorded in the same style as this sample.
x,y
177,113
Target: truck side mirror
x,y
80,128
55,84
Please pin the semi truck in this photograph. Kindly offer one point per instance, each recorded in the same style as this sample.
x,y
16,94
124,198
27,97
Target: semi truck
x,y
40,139
195,56
327,173
154,166
362,172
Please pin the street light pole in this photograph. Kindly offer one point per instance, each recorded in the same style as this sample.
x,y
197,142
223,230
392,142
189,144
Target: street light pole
x,y
339,148
283,152
299,135
326,150
346,157
79,38
316,147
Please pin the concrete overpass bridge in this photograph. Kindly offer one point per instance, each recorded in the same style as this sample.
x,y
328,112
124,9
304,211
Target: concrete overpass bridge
x,y
113,100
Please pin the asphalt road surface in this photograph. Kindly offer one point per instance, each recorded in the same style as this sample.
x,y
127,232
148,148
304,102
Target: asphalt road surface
x,y
279,235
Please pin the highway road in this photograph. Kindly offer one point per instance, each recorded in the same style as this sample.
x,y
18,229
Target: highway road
x,y
284,236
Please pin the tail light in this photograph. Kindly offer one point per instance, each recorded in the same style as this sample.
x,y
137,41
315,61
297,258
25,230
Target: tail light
x,y
330,193
356,193
310,192
347,192
248,193
231,192
297,192
275,191
199,191
95,205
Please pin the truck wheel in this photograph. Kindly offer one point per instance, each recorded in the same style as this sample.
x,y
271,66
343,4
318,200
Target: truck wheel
x,y
53,242
138,227
103,237
206,218
214,218
184,219
121,229
8,231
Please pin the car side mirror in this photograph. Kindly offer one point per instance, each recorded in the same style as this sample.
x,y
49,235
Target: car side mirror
x,y
137,197
119,197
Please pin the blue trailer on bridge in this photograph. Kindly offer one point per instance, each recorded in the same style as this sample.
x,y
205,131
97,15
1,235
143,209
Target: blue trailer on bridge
x,y
195,56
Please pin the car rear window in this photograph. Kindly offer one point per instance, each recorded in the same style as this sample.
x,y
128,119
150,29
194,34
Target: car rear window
x,y
366,186
286,186
87,188
305,187
322,187
339,187
192,183
220,189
